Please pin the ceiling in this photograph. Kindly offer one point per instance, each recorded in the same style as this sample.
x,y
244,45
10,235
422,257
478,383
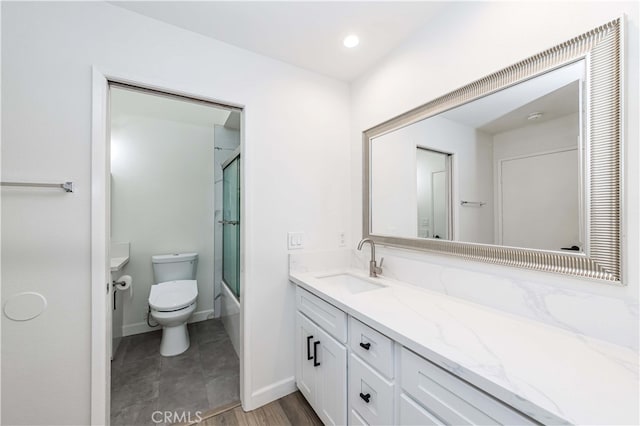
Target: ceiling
x,y
305,34
554,93
556,104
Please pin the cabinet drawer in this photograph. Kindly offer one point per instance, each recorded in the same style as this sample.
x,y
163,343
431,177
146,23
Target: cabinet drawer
x,y
355,419
366,384
327,316
373,347
411,413
450,398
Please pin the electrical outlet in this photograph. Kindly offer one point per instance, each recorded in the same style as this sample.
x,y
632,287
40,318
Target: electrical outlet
x,y
342,239
295,240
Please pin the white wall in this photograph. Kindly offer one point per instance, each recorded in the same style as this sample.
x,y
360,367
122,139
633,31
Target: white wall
x,y
394,184
534,138
468,41
162,202
394,194
47,53
48,50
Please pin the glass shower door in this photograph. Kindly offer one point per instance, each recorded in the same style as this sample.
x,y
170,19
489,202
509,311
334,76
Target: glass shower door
x,y
231,225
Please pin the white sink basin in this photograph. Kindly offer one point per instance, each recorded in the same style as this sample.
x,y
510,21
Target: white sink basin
x,y
351,283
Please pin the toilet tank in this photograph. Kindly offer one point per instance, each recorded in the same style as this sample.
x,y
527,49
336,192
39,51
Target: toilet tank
x,y
172,267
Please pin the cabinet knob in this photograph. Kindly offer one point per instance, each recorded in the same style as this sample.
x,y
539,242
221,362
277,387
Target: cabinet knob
x,y
366,346
365,397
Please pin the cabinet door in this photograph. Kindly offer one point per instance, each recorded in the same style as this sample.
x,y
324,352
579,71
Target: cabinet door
x,y
331,385
306,334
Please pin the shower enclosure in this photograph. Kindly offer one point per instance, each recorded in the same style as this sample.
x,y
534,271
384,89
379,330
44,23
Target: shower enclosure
x,y
231,224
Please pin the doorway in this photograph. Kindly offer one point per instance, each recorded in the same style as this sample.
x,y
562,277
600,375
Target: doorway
x,y
138,382
433,172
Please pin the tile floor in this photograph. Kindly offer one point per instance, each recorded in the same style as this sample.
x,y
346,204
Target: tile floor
x,y
205,377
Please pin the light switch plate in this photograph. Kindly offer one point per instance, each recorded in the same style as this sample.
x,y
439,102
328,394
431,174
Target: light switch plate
x,y
295,240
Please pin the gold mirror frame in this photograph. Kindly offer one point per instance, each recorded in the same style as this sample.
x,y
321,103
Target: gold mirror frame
x,y
601,260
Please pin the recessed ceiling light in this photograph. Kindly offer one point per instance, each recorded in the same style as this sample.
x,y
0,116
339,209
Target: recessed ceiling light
x,y
351,41
534,116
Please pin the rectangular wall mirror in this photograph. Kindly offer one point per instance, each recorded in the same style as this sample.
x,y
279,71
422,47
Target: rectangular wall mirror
x,y
520,168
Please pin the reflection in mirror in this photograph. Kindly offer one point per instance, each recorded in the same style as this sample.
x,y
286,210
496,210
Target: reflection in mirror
x,y
432,169
504,169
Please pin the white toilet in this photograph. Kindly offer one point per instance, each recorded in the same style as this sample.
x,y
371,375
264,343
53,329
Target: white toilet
x,y
173,299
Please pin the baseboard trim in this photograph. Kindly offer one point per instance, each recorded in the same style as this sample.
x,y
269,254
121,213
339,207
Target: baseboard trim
x,y
272,392
142,327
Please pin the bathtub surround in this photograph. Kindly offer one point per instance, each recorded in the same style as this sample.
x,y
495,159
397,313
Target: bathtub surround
x,y
230,316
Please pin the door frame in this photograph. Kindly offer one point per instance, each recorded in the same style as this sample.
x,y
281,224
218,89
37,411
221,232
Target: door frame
x,y
100,232
447,202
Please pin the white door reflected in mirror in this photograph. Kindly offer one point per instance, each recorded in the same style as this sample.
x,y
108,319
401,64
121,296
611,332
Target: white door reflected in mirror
x,y
504,169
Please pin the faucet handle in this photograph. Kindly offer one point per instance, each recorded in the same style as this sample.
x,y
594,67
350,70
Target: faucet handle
x,y
378,268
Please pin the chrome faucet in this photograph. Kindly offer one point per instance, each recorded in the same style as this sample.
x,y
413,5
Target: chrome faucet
x,y
374,269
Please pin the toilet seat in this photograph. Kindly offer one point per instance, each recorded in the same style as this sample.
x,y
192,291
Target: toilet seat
x,y
173,295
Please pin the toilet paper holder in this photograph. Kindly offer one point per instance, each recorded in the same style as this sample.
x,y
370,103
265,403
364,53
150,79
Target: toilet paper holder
x,y
122,283
125,282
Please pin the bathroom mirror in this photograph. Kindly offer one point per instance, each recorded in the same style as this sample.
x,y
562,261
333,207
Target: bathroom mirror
x,y
520,168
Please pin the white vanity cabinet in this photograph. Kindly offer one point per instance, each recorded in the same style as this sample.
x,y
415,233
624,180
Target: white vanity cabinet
x,y
431,395
371,373
352,374
321,357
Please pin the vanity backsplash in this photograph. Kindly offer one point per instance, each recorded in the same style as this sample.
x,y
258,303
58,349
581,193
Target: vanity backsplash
x,y
552,299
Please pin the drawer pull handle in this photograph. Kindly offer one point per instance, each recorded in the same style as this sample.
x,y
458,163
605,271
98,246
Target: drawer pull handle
x,y
366,346
309,357
365,397
315,353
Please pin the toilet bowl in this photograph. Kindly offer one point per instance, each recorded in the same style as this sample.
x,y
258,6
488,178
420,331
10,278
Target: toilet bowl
x,y
172,299
172,303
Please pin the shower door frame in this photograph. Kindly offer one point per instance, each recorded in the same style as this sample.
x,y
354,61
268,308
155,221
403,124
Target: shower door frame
x,y
100,397
235,156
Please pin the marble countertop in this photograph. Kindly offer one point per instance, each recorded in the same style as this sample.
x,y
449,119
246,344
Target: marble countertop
x,y
118,263
548,373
